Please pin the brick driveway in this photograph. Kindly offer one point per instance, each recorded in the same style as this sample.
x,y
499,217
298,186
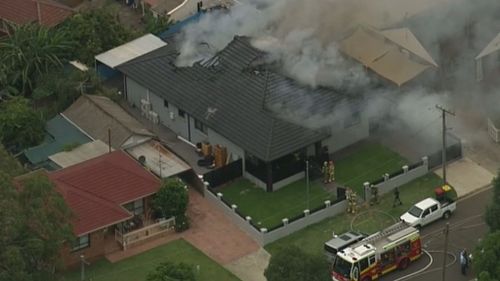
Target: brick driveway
x,y
214,234
210,231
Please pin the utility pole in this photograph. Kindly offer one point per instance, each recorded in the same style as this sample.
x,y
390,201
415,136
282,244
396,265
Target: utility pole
x,y
307,182
444,111
445,253
83,263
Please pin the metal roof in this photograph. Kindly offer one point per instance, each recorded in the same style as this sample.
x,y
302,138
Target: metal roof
x,y
238,93
80,154
59,132
130,50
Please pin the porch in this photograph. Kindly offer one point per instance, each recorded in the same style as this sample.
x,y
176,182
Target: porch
x,y
127,234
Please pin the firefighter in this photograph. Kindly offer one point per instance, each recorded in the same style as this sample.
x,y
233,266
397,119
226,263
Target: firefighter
x,y
374,192
396,198
348,193
331,172
354,202
324,170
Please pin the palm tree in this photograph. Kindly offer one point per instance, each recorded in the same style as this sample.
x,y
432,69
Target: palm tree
x,y
31,50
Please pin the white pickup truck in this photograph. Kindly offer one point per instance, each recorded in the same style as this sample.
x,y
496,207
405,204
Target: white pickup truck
x,y
428,210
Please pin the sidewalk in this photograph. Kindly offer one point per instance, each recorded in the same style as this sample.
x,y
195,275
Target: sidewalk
x,y
466,176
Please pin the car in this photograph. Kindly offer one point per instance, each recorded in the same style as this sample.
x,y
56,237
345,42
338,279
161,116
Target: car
x,y
340,242
429,210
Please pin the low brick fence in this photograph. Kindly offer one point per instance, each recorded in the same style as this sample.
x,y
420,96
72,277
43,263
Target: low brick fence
x,y
288,226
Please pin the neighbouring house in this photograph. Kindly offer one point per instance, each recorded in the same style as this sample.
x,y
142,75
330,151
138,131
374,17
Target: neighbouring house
x,y
394,54
227,101
487,61
107,62
48,13
110,197
60,135
104,120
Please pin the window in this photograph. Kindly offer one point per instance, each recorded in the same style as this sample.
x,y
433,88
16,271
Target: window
x,y
181,113
434,208
136,207
371,259
200,126
426,212
353,119
363,264
165,103
81,242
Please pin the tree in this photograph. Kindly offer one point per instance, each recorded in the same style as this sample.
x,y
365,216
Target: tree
x,y
155,25
9,164
172,201
293,264
486,256
172,198
169,271
95,32
30,50
36,222
493,210
20,125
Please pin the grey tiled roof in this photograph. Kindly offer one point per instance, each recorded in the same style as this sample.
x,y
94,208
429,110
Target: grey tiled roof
x,y
228,85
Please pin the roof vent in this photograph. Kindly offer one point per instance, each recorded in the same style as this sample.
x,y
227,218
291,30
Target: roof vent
x,y
142,160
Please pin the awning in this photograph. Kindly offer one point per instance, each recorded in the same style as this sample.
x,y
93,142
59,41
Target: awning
x,y
130,50
492,47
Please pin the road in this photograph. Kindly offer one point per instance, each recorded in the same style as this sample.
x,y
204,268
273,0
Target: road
x,y
467,227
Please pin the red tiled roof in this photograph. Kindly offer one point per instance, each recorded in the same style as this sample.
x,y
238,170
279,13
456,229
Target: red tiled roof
x,y
26,11
96,189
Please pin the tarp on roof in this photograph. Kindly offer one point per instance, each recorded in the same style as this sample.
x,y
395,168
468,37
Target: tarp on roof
x,y
130,50
388,54
59,132
80,154
158,159
492,47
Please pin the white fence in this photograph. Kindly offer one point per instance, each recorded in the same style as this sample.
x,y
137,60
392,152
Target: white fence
x,y
132,237
264,236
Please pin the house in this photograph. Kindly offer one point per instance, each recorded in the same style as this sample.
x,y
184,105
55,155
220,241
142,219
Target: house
x,y
60,135
488,59
48,13
110,196
225,101
104,120
394,54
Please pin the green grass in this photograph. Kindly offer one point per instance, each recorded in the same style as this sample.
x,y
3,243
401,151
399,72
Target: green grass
x,y
367,163
369,220
137,267
267,209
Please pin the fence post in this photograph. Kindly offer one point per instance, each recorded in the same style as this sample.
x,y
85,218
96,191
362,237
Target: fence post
x,y
234,206
285,221
328,203
405,169
219,195
306,213
386,177
366,188
425,161
248,219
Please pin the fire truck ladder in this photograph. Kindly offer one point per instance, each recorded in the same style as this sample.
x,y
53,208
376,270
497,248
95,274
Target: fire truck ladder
x,y
386,232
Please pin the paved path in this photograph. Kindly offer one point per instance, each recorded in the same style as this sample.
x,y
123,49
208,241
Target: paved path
x,y
250,267
466,176
210,231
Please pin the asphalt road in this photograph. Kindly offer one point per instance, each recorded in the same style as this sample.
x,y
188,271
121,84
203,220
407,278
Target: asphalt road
x,y
467,227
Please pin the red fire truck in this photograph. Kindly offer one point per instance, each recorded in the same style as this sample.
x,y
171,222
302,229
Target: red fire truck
x,y
380,253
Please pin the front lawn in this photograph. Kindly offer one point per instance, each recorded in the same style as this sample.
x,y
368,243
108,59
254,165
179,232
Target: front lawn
x,y
137,267
369,220
267,209
368,162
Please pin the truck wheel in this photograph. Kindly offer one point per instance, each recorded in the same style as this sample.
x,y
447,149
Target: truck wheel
x,y
446,215
418,226
403,264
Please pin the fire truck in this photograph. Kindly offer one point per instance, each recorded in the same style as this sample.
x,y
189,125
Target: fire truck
x,y
378,254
